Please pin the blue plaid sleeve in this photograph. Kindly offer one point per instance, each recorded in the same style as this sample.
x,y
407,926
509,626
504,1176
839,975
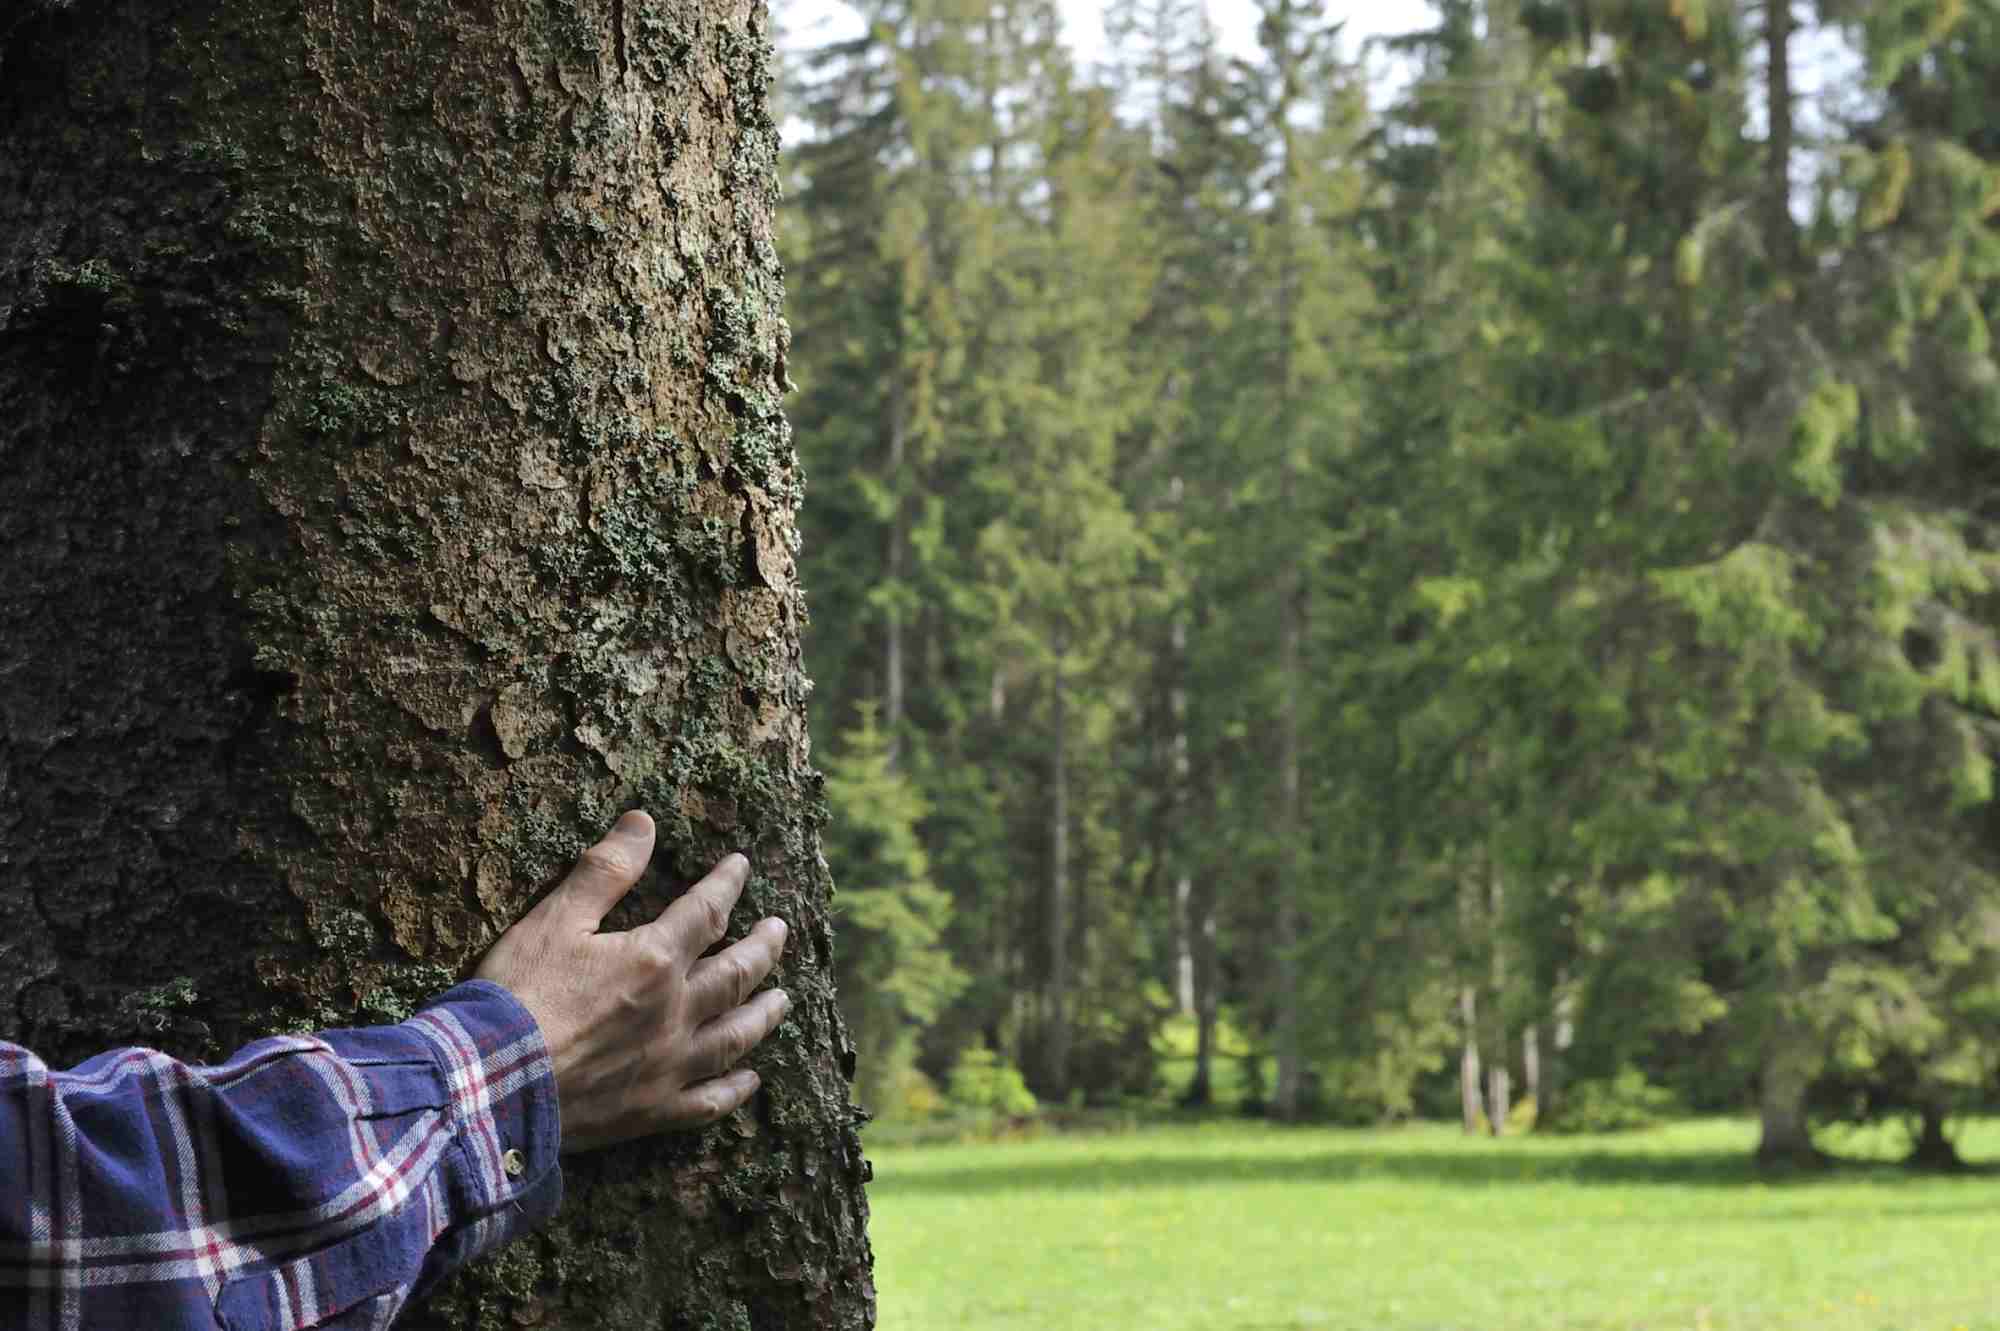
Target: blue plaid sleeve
x,y
316,1181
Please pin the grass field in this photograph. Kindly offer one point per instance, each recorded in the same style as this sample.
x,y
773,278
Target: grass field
x,y
1237,1227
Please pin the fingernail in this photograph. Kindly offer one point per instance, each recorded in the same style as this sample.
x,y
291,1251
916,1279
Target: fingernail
x,y
783,930
632,824
755,1080
738,863
784,1001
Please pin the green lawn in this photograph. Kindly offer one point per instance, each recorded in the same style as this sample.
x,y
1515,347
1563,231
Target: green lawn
x,y
1235,1227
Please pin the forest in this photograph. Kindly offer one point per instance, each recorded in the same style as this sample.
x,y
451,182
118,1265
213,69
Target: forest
x,y
1474,601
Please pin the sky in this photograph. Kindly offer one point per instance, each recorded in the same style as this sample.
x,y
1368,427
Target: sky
x,y
809,22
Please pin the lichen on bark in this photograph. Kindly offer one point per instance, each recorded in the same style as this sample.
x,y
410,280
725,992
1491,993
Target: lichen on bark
x,y
395,390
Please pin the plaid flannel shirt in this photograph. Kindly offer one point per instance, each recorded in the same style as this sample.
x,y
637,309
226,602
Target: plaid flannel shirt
x,y
316,1181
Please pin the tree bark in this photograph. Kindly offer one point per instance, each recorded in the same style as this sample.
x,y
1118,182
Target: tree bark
x,y
1786,1138
1781,230
1531,1063
1207,971
1933,1148
1183,767
1499,1088
893,671
1470,1108
1056,922
1554,1068
397,489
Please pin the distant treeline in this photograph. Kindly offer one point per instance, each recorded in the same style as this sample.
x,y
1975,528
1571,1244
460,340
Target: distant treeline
x,y
1418,607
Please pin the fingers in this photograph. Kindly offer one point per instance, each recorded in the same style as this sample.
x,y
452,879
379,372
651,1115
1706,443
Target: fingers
x,y
721,982
605,872
699,917
721,1044
706,1101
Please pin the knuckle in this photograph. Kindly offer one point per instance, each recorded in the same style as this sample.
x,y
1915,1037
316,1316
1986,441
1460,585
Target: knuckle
x,y
737,1041
655,956
714,915
603,859
700,1105
742,975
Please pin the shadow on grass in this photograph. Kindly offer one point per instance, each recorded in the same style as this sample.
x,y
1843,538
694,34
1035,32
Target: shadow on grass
x,y
1460,1168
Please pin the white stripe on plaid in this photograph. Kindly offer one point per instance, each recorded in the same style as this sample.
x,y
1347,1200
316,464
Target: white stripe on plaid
x,y
230,1244
472,1094
68,1213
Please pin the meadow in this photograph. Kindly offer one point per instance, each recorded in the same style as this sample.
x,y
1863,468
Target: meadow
x,y
1242,1227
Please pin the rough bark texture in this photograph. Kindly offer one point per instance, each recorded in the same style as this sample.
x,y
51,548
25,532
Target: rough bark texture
x,y
395,489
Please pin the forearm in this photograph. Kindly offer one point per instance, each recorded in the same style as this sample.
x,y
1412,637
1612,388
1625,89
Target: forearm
x,y
304,1182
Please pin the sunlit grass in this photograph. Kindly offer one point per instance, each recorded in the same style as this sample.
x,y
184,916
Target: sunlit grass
x,y
1238,1227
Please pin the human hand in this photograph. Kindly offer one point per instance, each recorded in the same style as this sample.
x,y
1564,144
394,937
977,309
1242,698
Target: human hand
x,y
643,1030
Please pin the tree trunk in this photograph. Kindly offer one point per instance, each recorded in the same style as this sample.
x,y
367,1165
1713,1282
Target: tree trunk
x,y
1291,833
1781,231
1183,921
1562,1034
396,490
893,671
1207,970
1781,1105
1499,1096
1531,1064
1056,922
1470,1108
1933,1148
1499,1089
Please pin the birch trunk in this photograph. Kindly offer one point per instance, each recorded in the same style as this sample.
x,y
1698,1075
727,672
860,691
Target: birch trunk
x,y
1470,1107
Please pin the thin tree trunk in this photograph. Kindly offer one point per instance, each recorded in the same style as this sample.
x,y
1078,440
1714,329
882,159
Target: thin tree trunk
x,y
1291,825
1531,1064
1562,1034
1781,230
1207,970
395,490
1056,921
1285,1100
894,686
1201,1090
1499,1096
1499,1088
1470,1107
1183,916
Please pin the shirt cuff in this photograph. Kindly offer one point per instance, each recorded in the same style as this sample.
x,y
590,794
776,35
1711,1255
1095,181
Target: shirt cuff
x,y
507,1179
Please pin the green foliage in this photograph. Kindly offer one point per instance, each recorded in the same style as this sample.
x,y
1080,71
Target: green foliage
x,y
1409,576
1622,1102
984,1083
893,970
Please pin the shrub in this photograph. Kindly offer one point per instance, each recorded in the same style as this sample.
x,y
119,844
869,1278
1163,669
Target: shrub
x,y
982,1082
1619,1103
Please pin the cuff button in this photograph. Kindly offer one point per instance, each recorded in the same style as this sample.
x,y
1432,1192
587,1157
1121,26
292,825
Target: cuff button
x,y
514,1163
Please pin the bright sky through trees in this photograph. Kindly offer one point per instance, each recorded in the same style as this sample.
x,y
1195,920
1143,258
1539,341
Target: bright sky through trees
x,y
808,22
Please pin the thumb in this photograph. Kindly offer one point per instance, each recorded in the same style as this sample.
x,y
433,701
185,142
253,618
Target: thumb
x,y
605,872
